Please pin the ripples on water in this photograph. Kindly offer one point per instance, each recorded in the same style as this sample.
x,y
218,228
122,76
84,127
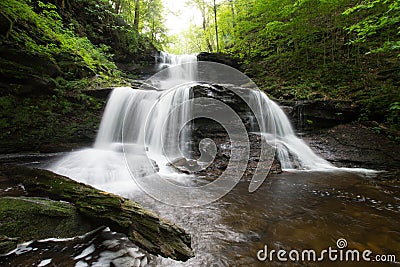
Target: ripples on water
x,y
290,211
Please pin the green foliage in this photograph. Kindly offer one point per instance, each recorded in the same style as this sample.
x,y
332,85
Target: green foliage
x,y
32,121
393,118
152,22
151,19
196,38
380,18
51,53
47,35
319,49
380,104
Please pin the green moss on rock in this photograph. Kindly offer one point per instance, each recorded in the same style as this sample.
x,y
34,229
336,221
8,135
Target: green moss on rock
x,y
29,218
141,226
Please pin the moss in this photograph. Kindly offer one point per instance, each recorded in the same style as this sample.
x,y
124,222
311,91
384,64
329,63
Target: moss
x,y
31,124
6,246
142,227
28,218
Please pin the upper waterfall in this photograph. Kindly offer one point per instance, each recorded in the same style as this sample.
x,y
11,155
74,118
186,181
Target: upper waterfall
x,y
180,67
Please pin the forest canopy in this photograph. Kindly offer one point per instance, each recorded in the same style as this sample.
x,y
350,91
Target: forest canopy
x,y
53,51
310,49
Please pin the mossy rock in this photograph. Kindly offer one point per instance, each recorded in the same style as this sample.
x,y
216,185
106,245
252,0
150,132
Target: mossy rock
x,y
142,227
29,218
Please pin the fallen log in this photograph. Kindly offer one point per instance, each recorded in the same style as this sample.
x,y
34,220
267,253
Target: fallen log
x,y
141,226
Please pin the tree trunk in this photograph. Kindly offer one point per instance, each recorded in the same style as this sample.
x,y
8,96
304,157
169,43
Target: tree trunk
x,y
117,6
137,14
233,14
216,25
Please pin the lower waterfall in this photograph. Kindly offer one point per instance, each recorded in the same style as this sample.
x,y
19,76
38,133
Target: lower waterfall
x,y
147,123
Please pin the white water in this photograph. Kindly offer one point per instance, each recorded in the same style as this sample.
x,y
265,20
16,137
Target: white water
x,y
292,152
148,121
182,69
138,122
141,122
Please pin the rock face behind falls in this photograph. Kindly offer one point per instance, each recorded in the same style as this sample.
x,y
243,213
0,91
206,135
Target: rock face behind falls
x,y
203,128
141,226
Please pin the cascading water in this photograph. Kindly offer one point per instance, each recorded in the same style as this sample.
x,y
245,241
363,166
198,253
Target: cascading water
x,y
148,123
146,132
292,152
185,71
140,121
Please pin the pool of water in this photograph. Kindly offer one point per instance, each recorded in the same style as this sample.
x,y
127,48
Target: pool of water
x,y
291,211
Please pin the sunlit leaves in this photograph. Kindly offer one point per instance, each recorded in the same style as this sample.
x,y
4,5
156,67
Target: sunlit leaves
x,y
379,18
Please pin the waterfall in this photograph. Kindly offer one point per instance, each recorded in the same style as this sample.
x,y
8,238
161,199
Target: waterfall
x,y
147,112
291,151
147,120
136,120
111,123
182,69
147,123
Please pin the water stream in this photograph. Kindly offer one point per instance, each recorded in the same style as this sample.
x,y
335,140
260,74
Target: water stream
x,y
300,210
309,206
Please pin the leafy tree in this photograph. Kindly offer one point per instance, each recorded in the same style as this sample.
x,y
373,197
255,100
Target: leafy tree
x,y
205,8
152,25
307,49
380,21
49,36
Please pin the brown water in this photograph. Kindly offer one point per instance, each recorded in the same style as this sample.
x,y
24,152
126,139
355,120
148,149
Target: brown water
x,y
302,210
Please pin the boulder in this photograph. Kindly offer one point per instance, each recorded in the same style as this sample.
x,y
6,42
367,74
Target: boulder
x,y
141,226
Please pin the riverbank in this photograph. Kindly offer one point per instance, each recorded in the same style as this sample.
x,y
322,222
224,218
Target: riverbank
x,y
356,145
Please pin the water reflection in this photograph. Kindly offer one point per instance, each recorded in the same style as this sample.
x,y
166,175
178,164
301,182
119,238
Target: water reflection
x,y
293,211
290,211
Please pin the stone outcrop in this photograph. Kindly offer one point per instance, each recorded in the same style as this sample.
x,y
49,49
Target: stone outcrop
x,y
219,58
99,208
210,142
316,114
355,145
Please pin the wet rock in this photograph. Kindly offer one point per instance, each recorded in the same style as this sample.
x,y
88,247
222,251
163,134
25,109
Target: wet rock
x,y
355,145
7,244
219,154
187,166
219,58
23,72
102,93
317,114
28,218
276,167
141,226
